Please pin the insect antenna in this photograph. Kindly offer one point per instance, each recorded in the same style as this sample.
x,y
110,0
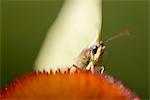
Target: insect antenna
x,y
123,33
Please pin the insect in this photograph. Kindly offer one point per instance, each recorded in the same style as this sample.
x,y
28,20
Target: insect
x,y
91,59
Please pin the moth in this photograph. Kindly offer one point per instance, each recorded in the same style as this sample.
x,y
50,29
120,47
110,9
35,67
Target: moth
x,y
91,58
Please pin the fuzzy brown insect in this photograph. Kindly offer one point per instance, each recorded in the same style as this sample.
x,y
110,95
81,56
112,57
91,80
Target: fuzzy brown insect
x,y
91,59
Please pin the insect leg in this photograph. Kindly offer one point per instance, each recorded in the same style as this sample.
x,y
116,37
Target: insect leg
x,y
75,66
90,67
99,53
102,69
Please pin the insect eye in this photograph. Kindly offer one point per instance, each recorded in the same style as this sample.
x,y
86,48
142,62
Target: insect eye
x,y
94,49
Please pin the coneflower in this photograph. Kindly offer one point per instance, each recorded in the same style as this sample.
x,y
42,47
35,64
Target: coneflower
x,y
78,85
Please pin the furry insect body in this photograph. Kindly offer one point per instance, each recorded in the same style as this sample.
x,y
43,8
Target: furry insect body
x,y
91,58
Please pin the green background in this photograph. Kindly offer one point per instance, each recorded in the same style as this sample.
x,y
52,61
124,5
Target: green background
x,y
24,25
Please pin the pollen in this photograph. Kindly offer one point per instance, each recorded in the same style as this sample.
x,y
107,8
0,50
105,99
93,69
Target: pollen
x,y
77,85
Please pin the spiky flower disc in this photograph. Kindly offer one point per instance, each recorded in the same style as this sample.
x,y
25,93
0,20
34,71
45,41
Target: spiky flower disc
x,y
79,85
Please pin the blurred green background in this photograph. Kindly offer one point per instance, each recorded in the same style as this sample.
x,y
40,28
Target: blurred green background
x,y
25,24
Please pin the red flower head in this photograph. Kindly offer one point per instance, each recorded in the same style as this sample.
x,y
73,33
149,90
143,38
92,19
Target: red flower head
x,y
78,85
